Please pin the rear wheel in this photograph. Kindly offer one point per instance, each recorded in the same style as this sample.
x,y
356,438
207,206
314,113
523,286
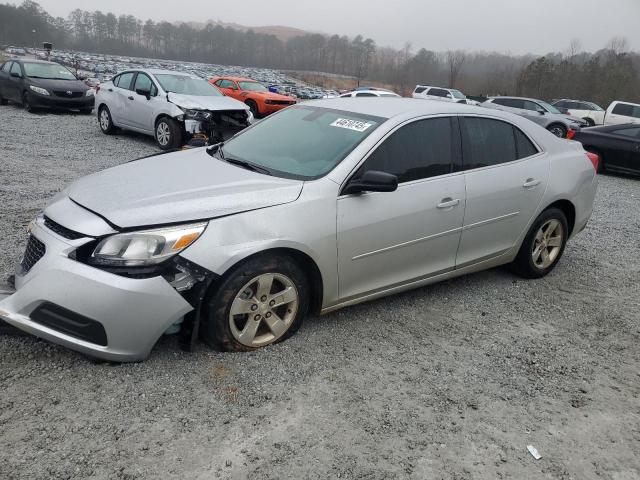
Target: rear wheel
x,y
105,121
543,246
558,130
261,302
168,135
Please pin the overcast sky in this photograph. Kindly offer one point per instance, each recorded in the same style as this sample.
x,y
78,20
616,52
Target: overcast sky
x,y
516,26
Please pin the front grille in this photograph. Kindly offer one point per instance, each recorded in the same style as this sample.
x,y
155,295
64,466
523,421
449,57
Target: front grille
x,y
62,231
34,252
65,94
282,102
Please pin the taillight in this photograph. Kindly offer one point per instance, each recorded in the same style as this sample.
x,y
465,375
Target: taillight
x,y
595,159
571,134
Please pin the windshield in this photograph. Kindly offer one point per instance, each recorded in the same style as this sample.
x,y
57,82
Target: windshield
x,y
253,86
301,142
597,108
548,107
458,94
48,70
187,85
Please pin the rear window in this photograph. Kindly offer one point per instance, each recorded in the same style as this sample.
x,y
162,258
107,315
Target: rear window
x,y
419,89
627,110
628,132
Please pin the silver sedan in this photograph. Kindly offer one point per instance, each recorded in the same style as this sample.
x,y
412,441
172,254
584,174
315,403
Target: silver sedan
x,y
322,205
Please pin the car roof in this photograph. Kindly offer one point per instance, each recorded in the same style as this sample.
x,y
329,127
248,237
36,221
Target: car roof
x,y
389,107
518,98
160,71
31,60
377,91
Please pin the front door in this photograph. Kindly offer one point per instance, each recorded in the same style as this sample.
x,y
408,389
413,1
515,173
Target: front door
x,y
505,176
141,108
391,238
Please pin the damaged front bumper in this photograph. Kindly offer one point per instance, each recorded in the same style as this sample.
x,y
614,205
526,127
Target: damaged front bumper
x,y
99,313
215,126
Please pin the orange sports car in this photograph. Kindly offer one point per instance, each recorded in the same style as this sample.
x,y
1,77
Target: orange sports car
x,y
260,100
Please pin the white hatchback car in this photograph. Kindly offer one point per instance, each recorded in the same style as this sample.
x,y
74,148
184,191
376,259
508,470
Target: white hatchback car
x,y
439,93
171,106
590,112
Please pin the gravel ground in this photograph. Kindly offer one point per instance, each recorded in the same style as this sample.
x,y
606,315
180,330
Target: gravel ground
x,y
451,381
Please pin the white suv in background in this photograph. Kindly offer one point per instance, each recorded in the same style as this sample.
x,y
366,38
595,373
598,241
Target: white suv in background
x,y
590,112
622,112
438,93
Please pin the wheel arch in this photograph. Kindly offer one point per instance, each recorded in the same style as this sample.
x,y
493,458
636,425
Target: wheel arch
x,y
305,261
569,211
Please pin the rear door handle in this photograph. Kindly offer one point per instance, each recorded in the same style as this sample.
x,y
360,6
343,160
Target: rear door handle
x,y
531,182
110,89
448,203
130,98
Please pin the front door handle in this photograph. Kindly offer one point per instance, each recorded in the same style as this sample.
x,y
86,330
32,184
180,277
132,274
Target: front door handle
x,y
110,89
531,182
130,98
448,203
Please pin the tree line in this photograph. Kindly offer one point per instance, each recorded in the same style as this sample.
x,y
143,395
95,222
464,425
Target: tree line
x,y
610,73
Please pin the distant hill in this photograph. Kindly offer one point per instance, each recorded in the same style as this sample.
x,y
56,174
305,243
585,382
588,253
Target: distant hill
x,y
282,32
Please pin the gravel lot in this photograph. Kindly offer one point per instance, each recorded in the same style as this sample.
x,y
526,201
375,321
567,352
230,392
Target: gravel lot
x,y
451,381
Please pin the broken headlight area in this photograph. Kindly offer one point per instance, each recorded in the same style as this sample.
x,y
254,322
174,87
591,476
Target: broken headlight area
x,y
214,126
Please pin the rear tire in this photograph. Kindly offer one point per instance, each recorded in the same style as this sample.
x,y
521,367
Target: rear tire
x,y
168,134
543,246
105,121
270,294
558,130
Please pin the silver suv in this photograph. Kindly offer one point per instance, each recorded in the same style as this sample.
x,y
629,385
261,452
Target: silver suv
x,y
173,107
322,205
540,112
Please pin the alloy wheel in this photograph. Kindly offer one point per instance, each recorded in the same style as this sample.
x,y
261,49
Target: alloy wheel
x,y
557,131
263,310
163,134
547,244
104,120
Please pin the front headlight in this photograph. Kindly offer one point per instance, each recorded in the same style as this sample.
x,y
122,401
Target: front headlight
x,y
39,90
197,114
146,247
89,93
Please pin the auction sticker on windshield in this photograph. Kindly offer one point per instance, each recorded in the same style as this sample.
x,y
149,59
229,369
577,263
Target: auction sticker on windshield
x,y
355,125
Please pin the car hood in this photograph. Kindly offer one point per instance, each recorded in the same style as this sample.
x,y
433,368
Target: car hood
x,y
64,85
178,187
206,103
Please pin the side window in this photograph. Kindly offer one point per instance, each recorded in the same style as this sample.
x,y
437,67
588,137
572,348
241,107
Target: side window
x,y
527,105
500,101
628,132
366,94
6,67
422,149
636,112
124,80
143,82
561,104
584,106
438,92
15,67
623,109
346,95
419,89
524,147
487,142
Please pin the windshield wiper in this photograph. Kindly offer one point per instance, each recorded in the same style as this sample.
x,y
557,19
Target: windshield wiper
x,y
217,149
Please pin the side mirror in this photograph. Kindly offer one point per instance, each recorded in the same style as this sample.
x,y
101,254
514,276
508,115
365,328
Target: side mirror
x,y
16,74
541,111
372,181
144,93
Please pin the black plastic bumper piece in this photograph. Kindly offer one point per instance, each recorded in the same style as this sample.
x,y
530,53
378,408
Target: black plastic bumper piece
x,y
70,323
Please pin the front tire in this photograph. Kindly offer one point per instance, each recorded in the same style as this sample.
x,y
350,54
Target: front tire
x,y
26,103
168,134
105,121
558,130
590,121
253,106
261,302
543,246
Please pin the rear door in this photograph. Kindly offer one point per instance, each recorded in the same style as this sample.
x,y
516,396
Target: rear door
x,y
623,113
505,176
119,105
4,80
625,152
391,238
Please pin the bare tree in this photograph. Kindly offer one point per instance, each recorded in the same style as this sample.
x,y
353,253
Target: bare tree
x,y
455,60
